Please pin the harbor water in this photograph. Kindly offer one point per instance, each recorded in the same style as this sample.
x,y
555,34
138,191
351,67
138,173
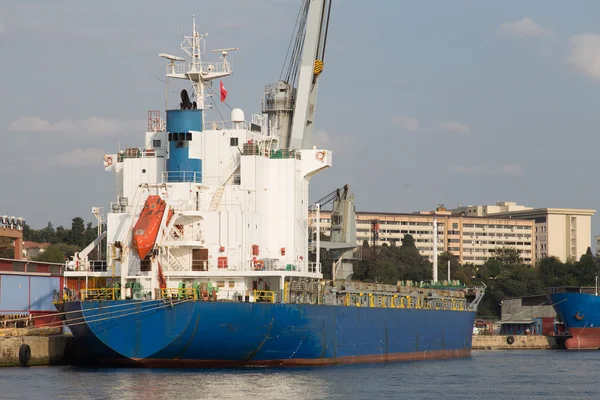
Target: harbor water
x,y
487,374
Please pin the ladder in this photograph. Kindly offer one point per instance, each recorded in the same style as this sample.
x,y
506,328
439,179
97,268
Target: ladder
x,y
228,176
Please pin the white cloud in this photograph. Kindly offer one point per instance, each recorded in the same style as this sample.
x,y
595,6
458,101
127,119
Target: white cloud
x,y
337,142
406,122
455,126
509,169
78,158
585,54
99,127
524,27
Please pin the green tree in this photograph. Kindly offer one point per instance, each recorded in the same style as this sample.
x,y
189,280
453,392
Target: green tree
x,y
52,254
77,234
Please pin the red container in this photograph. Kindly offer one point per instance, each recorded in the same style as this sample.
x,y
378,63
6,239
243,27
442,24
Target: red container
x,y
222,262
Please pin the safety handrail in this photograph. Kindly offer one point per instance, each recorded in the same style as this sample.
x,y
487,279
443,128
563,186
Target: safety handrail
x,y
264,296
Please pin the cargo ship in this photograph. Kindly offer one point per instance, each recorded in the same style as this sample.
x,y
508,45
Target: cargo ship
x,y
578,309
213,252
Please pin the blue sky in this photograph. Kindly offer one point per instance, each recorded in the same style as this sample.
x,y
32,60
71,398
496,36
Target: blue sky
x,y
468,102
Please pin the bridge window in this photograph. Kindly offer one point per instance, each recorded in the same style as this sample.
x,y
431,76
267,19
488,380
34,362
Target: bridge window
x,y
188,136
233,141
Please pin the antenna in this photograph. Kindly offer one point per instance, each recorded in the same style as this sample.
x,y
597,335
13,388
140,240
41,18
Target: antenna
x,y
170,57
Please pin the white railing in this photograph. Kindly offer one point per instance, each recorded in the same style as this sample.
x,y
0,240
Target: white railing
x,y
181,176
205,67
186,205
139,152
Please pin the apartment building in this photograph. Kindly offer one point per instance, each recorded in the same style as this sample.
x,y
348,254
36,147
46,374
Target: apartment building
x,y
471,239
565,233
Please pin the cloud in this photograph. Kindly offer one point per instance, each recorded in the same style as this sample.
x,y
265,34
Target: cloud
x,y
509,170
406,122
99,127
78,158
339,143
524,27
585,54
455,126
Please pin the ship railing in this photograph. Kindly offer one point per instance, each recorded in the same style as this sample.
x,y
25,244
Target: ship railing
x,y
90,266
139,152
186,205
377,300
314,267
264,296
181,176
178,293
271,264
225,125
101,294
206,67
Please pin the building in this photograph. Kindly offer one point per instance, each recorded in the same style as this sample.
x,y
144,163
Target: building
x,y
27,292
528,315
565,233
470,239
33,249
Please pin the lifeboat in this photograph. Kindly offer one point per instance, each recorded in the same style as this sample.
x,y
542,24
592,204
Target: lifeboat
x,y
146,228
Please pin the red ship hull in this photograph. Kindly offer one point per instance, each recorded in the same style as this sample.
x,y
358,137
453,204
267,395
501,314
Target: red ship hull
x,y
146,228
583,339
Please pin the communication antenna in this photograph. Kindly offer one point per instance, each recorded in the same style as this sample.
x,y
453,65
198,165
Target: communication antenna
x,y
171,66
224,53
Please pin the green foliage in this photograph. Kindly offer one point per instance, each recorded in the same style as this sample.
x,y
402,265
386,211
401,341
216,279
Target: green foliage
x,y
505,274
65,242
52,254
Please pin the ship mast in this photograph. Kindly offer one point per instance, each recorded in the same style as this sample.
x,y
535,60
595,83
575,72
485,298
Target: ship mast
x,y
199,73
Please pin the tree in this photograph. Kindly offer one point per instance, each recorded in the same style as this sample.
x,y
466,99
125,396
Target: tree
x,y
52,254
77,234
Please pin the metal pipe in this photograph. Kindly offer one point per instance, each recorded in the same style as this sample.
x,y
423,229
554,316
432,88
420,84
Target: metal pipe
x,y
435,260
318,226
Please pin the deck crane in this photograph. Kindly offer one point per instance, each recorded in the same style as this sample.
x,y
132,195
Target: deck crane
x,y
290,104
342,241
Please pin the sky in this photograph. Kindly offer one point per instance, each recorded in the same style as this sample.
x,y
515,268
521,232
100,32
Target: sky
x,y
462,102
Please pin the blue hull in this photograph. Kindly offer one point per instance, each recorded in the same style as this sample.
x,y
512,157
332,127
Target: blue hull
x,y
580,312
198,333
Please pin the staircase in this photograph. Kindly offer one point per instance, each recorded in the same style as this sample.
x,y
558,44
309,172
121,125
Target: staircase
x,y
227,177
173,263
217,198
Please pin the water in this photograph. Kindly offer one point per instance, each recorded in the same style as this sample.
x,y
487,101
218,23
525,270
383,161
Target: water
x,y
487,374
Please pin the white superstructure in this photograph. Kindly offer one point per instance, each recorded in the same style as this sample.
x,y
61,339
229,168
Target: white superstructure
x,y
238,190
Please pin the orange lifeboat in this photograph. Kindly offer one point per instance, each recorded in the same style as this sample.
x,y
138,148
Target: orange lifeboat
x,y
146,228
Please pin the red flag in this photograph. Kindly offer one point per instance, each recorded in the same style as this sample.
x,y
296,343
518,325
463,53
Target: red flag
x,y
223,92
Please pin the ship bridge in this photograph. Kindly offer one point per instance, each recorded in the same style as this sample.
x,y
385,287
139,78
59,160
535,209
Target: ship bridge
x,y
12,228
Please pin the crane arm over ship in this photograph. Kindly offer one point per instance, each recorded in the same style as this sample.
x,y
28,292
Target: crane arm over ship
x,y
290,104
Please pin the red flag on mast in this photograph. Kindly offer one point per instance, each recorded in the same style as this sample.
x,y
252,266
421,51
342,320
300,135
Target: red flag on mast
x,y
223,92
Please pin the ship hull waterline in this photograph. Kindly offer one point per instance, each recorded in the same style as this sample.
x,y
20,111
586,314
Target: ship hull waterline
x,y
199,334
580,314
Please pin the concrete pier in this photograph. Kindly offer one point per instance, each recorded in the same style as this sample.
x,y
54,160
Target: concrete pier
x,y
519,342
18,350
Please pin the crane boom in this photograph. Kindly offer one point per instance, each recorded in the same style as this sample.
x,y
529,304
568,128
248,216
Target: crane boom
x,y
290,104
311,66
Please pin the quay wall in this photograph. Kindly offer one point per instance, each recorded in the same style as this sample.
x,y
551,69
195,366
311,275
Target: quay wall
x,y
521,342
42,350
